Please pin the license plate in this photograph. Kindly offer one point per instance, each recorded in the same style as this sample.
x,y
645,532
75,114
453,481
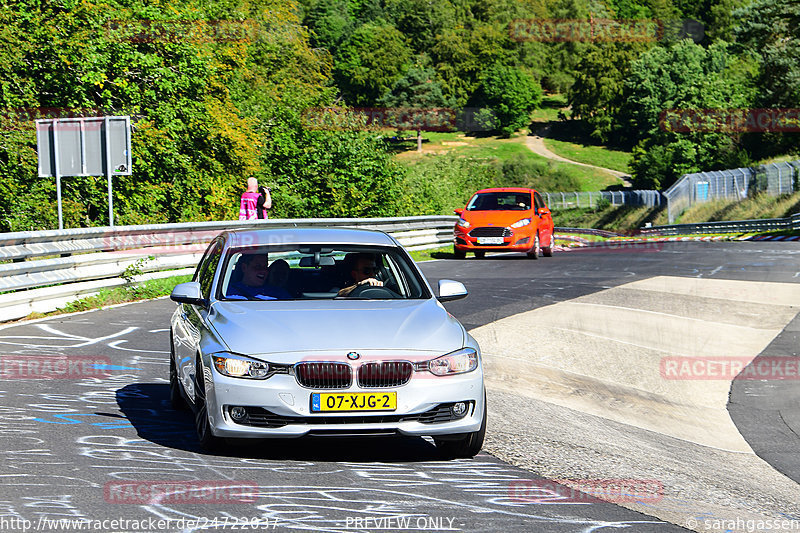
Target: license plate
x,y
353,401
490,240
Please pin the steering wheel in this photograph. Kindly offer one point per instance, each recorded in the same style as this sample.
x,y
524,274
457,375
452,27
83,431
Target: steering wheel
x,y
373,292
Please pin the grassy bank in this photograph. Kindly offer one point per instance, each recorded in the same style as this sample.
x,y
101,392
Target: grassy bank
x,y
597,155
453,166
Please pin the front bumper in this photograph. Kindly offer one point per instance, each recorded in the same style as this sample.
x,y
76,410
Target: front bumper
x,y
287,402
518,241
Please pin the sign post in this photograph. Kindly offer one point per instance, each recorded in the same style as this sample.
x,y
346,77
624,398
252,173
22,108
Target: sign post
x,y
87,146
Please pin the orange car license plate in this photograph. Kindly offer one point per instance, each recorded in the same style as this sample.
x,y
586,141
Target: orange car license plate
x,y
353,401
490,240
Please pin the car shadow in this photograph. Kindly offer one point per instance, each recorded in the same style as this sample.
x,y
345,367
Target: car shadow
x,y
147,407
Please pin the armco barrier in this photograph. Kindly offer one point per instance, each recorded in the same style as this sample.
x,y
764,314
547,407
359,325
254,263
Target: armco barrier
x,y
47,269
735,226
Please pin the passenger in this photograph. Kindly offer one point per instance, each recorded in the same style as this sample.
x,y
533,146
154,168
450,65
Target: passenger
x,y
253,282
362,272
278,275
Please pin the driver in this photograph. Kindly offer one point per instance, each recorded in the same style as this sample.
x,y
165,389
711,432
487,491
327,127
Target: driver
x,y
362,273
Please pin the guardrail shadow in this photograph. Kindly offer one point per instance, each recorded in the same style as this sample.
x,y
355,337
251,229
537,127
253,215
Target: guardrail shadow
x,y
147,408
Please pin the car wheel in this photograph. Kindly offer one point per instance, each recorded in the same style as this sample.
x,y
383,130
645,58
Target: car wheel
x,y
459,254
208,441
547,251
480,254
175,396
534,253
468,445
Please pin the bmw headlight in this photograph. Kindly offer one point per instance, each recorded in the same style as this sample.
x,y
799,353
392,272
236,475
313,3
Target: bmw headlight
x,y
462,223
521,223
237,367
458,362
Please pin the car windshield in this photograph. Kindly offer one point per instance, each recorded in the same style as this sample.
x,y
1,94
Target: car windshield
x,y
303,272
500,201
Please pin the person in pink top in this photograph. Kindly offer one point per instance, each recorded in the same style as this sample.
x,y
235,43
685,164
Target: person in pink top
x,y
247,205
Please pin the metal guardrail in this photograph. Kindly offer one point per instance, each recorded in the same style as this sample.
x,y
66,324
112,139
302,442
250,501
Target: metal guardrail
x,y
587,231
47,269
737,226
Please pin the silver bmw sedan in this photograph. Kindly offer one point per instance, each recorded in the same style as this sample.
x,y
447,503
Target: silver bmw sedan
x,y
289,332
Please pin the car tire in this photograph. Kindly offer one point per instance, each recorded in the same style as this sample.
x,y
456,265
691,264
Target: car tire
x,y
459,254
176,399
208,441
468,445
534,253
480,254
547,251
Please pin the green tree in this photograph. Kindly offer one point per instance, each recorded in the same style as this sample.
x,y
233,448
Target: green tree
x,y
771,30
683,76
511,94
330,173
330,21
371,61
597,94
418,89
421,20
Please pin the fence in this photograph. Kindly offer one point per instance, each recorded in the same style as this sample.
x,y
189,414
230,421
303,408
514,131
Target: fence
x,y
47,269
567,200
736,184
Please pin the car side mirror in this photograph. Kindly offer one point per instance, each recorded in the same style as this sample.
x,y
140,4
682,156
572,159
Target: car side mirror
x,y
543,211
450,290
458,211
188,293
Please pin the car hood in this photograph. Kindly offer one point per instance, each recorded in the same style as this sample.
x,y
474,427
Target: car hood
x,y
336,326
495,218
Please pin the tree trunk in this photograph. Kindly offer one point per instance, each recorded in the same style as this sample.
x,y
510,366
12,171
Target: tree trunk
x,y
419,140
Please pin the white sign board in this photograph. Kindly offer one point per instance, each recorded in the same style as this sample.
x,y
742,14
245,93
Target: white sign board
x,y
84,146
89,146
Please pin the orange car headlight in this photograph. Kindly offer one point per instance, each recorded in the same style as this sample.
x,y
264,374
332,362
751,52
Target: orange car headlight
x,y
521,223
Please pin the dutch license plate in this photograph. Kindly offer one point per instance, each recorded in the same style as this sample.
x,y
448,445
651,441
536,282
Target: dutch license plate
x,y
353,401
490,240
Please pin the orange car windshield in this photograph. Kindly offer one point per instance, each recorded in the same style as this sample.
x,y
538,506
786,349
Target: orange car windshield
x,y
500,201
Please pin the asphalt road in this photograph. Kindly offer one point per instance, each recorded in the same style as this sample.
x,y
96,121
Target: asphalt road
x,y
70,447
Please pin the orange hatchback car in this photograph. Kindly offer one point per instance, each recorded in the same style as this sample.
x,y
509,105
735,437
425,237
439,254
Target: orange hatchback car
x,y
510,219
